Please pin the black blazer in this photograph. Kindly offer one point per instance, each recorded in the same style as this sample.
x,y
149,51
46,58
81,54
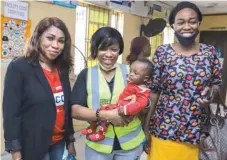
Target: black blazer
x,y
29,110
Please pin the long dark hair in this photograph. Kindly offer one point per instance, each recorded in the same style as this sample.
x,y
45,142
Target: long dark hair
x,y
137,46
64,60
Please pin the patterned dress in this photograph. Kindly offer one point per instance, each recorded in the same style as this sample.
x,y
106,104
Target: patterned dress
x,y
180,79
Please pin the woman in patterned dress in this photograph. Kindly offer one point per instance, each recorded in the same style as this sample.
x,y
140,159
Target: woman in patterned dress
x,y
184,72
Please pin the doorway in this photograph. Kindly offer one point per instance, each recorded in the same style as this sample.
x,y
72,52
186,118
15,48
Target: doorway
x,y
219,40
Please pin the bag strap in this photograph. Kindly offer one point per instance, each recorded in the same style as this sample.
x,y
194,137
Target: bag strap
x,y
221,101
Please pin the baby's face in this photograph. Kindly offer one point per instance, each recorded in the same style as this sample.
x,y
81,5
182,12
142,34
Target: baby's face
x,y
137,73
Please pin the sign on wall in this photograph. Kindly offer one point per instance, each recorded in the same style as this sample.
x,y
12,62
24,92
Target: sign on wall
x,y
128,6
124,6
16,10
65,3
14,36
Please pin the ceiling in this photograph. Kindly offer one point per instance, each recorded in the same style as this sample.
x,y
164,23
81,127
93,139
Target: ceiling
x,y
206,7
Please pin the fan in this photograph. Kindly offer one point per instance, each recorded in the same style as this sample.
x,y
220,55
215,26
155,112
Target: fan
x,y
154,27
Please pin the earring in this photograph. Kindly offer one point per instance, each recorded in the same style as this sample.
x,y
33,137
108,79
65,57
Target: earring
x,y
173,26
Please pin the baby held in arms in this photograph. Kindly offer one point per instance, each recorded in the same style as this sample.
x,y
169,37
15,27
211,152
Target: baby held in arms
x,y
140,73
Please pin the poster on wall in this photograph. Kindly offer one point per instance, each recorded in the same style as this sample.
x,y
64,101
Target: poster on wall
x,y
45,1
67,3
16,10
103,3
133,7
138,8
14,36
124,6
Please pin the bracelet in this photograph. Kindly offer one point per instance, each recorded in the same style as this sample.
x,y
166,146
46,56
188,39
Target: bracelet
x,y
97,115
149,103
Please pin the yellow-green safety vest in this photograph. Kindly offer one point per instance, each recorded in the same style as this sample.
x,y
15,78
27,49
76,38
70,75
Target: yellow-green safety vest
x,y
130,136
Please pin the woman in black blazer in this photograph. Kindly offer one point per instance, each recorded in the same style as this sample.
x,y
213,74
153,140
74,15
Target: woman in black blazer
x,y
36,102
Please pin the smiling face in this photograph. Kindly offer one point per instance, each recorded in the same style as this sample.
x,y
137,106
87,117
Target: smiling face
x,y
52,43
186,22
108,56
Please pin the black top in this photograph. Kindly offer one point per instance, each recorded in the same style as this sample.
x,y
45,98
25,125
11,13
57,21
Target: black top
x,y
79,96
29,109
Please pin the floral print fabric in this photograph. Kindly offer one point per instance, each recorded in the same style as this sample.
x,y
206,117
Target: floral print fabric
x,y
181,79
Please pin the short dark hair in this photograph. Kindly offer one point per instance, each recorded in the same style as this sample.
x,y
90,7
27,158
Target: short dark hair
x,y
150,65
64,60
103,38
181,6
137,45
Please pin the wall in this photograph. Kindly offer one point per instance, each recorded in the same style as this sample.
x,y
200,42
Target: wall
x,y
1,90
131,30
214,21
37,11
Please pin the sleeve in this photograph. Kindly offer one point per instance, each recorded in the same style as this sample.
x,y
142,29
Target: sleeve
x,y
12,101
70,124
141,102
70,121
216,68
157,60
79,92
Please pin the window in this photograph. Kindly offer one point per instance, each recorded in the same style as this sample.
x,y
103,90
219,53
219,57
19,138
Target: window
x,y
158,39
89,18
155,42
168,35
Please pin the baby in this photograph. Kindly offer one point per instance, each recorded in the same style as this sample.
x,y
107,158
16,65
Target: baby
x,y
140,73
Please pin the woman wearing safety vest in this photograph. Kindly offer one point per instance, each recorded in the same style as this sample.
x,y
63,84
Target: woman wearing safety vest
x,y
102,84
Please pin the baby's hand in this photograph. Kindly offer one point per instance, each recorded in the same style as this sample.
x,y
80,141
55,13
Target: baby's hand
x,y
132,99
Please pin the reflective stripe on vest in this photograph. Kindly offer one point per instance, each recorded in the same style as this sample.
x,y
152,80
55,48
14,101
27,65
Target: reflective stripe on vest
x,y
124,72
98,91
95,84
95,87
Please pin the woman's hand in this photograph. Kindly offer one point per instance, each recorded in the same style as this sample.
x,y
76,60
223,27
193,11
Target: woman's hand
x,y
147,146
208,95
16,155
71,150
128,118
114,117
